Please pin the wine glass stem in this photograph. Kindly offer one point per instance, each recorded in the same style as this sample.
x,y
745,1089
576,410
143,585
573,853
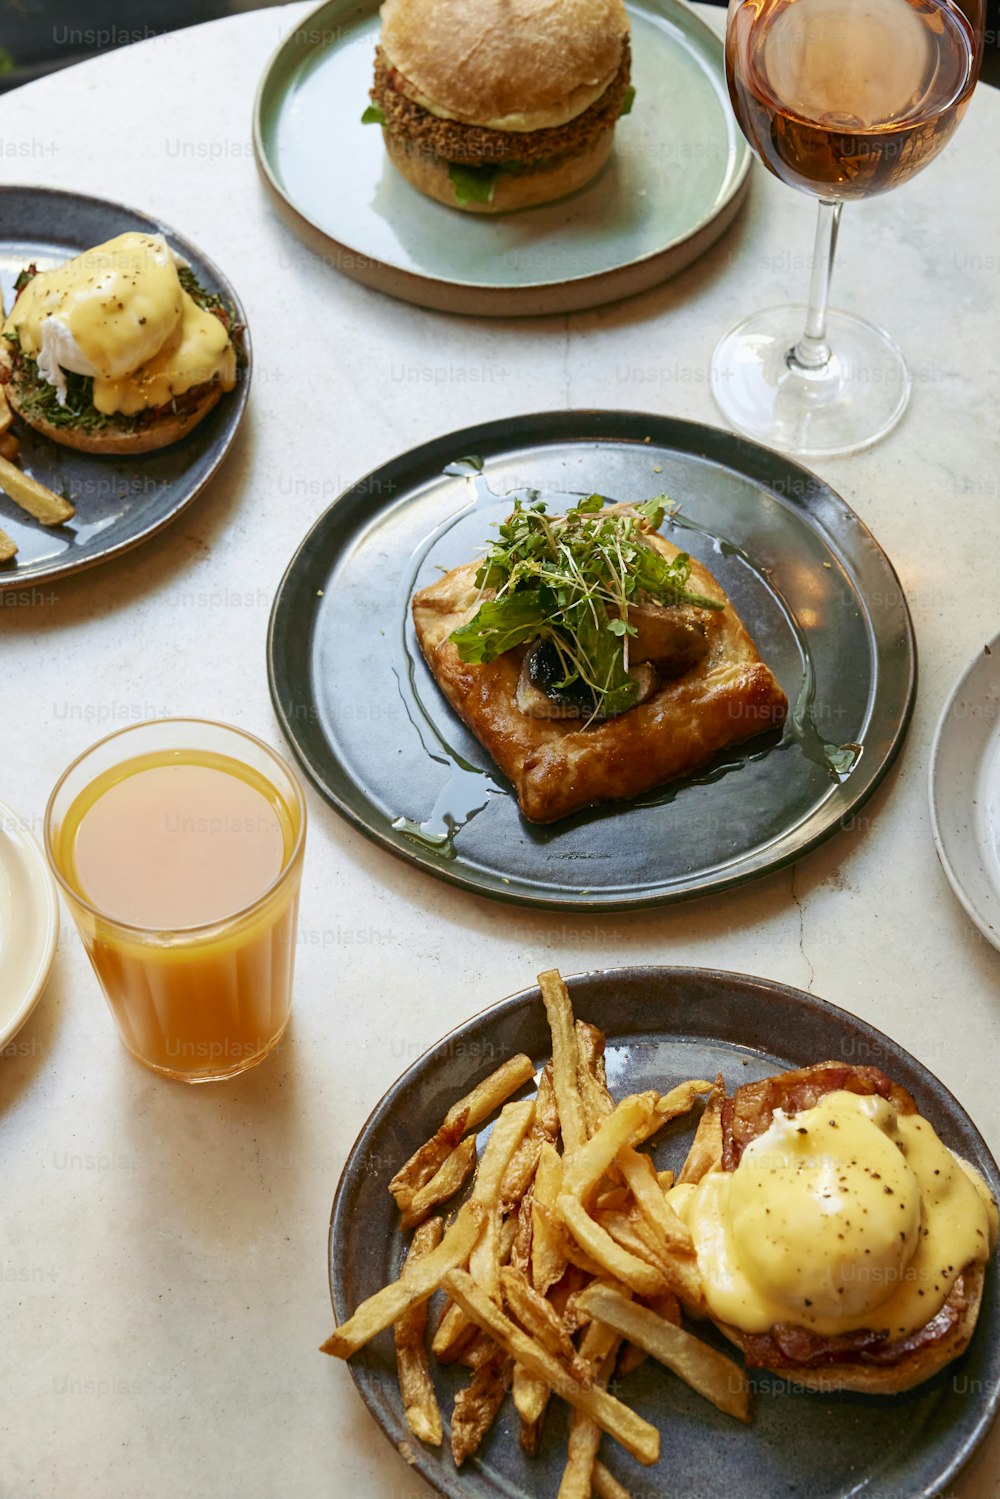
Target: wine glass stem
x,y
812,352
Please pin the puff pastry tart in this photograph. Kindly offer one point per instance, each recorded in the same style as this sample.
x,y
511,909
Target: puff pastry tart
x,y
700,686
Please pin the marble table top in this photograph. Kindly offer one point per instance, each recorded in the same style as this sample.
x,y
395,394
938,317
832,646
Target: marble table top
x,y
163,1250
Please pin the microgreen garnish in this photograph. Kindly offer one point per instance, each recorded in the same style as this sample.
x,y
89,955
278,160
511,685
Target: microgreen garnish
x,y
570,579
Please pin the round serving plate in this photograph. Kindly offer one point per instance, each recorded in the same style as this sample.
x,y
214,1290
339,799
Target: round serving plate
x,y
373,732
664,1025
673,185
120,501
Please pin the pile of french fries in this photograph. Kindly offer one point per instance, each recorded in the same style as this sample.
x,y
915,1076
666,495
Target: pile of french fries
x,y
40,502
563,1266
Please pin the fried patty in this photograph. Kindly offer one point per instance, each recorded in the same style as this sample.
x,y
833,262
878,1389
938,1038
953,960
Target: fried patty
x,y
477,146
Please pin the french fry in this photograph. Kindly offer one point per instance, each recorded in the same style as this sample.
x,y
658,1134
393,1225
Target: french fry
x,y
708,1372
10,446
583,1168
505,1240
564,1244
505,1137
619,1263
666,1306
452,1335
565,1058
540,1318
665,1179
615,1199
606,1485
637,1237
454,1329
443,1184
599,1347
530,1395
49,508
469,1112
478,1352
520,1251
636,1435
640,1174
681,1100
633,1234
395,1299
548,1258
6,414
706,1147
423,1415
8,547
476,1406
591,1075
544,1127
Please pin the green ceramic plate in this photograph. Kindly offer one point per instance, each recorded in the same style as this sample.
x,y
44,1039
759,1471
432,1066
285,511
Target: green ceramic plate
x,y
672,186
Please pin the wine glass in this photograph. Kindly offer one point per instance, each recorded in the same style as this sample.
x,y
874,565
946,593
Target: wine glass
x,y
841,99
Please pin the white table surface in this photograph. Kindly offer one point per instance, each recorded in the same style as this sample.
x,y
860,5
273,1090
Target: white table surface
x,y
163,1249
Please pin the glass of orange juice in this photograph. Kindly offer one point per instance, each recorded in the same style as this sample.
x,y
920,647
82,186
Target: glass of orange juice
x,y
178,845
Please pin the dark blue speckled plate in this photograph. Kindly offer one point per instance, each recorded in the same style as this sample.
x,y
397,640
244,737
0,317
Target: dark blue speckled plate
x,y
119,502
665,1024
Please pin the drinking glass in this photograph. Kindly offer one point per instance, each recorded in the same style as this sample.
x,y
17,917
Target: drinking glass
x,y
841,99
201,995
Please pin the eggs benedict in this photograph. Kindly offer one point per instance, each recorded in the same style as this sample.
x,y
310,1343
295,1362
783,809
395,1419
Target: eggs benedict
x,y
118,350
840,1242
491,105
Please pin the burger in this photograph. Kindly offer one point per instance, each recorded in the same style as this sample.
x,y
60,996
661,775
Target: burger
x,y
840,1243
119,350
492,105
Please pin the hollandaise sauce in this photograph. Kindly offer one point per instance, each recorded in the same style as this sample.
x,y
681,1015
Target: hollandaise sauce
x,y
176,861
841,1217
119,314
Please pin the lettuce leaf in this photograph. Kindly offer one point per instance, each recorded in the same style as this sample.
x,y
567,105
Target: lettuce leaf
x,y
473,184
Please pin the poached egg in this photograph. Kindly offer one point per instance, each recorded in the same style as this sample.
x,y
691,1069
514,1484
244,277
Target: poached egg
x,y
119,314
844,1216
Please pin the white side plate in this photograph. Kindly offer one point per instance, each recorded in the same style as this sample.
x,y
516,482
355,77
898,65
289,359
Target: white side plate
x,y
965,790
29,923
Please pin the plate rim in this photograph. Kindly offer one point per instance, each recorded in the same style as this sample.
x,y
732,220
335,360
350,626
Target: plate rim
x,y
565,423
482,298
522,999
980,918
45,904
36,575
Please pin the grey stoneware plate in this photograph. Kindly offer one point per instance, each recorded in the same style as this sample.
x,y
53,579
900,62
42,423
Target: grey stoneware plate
x,y
965,790
378,740
119,501
673,185
664,1025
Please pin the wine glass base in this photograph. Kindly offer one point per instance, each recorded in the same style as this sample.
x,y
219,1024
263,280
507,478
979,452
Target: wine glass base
x,y
850,402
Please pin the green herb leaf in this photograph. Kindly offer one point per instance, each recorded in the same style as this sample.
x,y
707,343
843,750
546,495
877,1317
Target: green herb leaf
x,y
627,102
374,115
569,579
473,184
500,624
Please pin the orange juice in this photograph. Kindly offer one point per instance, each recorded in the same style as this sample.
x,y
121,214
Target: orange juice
x,y
181,865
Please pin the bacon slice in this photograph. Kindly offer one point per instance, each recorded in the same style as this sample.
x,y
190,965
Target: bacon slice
x,y
787,1347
